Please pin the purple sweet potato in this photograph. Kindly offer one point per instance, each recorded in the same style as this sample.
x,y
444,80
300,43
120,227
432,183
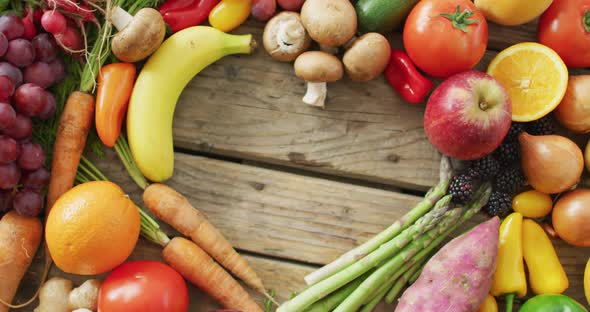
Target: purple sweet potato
x,y
459,276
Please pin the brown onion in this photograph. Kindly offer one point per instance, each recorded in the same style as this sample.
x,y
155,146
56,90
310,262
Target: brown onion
x,y
574,110
571,218
550,163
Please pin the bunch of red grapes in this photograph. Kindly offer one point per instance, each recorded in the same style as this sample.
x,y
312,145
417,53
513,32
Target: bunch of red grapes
x,y
29,64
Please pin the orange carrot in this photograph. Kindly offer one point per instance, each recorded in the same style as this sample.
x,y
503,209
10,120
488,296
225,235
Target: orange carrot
x,y
115,83
74,124
196,266
19,239
173,208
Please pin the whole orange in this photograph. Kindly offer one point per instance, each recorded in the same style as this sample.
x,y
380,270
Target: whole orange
x,y
92,228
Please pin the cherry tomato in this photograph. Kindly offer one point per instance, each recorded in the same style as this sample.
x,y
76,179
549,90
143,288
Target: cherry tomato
x,y
565,28
143,286
445,37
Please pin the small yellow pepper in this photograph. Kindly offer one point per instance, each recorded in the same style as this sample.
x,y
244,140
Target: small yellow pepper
x,y
489,305
546,275
229,14
587,281
509,278
532,204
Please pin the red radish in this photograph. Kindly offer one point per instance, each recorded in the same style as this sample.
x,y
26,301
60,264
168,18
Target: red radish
x,y
71,6
37,14
30,29
53,22
70,40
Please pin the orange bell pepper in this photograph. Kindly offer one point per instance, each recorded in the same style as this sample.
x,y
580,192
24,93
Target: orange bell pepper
x,y
115,84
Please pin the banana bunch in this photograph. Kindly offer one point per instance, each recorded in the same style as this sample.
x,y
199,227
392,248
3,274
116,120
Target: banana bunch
x,y
159,85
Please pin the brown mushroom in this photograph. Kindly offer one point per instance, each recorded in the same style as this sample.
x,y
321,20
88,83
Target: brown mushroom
x,y
284,37
317,68
367,57
139,36
331,23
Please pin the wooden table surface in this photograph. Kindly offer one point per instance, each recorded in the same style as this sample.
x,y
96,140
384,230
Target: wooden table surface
x,y
291,186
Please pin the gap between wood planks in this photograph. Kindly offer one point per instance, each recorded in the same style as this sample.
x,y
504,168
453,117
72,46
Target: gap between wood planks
x,y
301,171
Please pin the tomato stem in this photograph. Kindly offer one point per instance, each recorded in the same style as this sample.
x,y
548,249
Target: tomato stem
x,y
460,19
586,20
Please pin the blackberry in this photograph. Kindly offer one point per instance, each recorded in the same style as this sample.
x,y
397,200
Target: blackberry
x,y
508,153
515,129
510,180
499,204
462,187
484,168
542,126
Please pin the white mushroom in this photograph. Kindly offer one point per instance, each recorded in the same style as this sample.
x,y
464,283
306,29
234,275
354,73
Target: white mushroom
x,y
331,23
139,36
317,68
284,37
367,57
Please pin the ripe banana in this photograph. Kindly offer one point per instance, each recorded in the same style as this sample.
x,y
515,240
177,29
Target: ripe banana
x,y
158,87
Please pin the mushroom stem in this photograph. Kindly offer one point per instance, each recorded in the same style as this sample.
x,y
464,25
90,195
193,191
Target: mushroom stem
x,y
316,94
328,49
120,18
290,35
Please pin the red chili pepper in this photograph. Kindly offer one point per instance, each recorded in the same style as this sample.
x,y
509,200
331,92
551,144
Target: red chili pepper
x,y
403,76
175,5
181,14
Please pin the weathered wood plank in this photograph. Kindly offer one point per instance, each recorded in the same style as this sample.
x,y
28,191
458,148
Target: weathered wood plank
x,y
278,214
250,107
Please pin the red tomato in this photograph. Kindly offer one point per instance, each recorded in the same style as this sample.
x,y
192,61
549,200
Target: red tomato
x,y
143,286
564,29
445,37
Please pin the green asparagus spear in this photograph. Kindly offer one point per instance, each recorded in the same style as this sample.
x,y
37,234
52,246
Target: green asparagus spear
x,y
402,281
356,299
335,298
392,231
375,301
385,251
425,244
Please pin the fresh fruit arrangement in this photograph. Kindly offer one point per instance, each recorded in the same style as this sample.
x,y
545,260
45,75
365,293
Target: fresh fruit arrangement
x,y
80,74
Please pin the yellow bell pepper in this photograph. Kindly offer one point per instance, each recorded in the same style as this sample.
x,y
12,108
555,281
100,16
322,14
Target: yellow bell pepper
x,y
509,278
587,281
546,275
229,14
489,305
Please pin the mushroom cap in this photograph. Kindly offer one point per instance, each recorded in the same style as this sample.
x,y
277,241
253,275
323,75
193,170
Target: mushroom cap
x,y
270,41
367,57
142,37
329,22
318,66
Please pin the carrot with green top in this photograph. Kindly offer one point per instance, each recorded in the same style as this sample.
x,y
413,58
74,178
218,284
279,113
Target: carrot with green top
x,y
72,132
19,240
174,209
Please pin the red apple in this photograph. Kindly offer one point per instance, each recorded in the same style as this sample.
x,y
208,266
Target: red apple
x,y
468,115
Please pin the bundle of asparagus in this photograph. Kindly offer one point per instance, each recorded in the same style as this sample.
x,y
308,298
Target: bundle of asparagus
x,y
382,266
